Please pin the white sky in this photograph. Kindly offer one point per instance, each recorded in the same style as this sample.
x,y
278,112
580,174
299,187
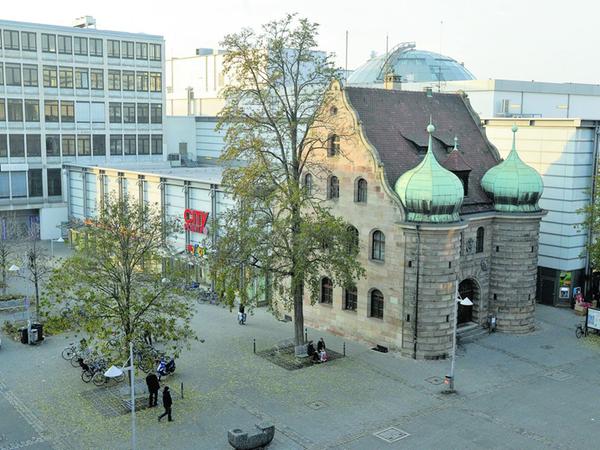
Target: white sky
x,y
542,40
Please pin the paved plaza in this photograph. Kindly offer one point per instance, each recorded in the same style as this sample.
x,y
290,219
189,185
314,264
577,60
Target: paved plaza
x,y
536,391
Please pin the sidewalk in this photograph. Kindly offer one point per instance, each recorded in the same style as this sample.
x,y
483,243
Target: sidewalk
x,y
514,392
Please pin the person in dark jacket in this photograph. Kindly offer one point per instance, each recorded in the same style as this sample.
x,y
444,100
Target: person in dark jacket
x,y
321,345
167,404
153,387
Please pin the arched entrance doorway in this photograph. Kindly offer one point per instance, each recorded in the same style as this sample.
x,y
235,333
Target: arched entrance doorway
x,y
467,289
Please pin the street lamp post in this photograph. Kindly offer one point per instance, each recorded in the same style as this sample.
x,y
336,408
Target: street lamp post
x,y
60,240
114,372
464,302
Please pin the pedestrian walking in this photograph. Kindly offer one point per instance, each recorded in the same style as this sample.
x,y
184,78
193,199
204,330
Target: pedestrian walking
x,y
242,314
153,388
167,404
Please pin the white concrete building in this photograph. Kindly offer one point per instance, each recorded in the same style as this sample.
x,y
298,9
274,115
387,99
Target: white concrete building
x,y
73,95
194,82
565,153
529,99
194,138
174,190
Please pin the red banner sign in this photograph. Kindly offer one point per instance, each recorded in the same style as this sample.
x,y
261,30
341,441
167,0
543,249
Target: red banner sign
x,y
194,221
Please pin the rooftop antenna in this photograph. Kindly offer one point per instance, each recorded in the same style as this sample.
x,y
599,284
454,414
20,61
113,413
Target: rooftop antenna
x,y
346,69
387,46
441,34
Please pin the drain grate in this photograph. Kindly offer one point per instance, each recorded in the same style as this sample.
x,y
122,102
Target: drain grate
x,y
316,405
559,376
391,434
434,380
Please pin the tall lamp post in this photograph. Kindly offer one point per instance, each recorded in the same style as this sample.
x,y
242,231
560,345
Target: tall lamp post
x,y
449,381
114,372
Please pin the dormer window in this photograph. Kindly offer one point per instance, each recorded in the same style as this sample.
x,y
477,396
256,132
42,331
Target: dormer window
x,y
463,176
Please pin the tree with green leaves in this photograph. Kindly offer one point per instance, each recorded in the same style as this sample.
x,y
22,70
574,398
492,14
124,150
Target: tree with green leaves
x,y
591,225
275,122
115,284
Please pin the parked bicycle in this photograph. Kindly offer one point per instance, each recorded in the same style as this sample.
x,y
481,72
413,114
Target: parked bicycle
x,y
69,351
208,296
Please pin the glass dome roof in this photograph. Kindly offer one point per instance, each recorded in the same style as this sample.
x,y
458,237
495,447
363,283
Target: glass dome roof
x,y
412,65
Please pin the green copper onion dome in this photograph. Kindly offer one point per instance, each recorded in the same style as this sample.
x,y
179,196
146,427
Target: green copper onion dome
x,y
513,185
429,192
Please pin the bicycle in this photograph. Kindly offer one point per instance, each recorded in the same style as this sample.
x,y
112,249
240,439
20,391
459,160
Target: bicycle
x,y
208,296
69,351
83,354
580,330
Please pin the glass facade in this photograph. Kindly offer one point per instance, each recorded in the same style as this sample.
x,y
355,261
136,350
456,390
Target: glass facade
x,y
91,86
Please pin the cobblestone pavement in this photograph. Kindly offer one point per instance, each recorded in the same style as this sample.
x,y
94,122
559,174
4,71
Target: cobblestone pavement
x,y
514,392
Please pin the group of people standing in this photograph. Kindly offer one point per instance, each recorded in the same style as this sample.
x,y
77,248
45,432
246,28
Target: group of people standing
x,y
153,388
319,354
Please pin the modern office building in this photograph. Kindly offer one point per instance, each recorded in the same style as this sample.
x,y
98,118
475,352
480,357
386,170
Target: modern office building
x,y
565,153
73,95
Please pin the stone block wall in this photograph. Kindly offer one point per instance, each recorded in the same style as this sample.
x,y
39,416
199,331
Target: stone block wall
x,y
436,258
513,272
475,265
380,212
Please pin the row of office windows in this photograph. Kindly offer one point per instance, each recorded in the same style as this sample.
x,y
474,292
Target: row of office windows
x,y
29,183
69,111
79,78
30,145
79,45
350,298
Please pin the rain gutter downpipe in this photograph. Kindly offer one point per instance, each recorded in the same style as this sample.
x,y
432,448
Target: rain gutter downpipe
x,y
417,293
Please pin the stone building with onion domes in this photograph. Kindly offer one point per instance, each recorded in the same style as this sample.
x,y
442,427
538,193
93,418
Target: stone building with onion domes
x,y
433,207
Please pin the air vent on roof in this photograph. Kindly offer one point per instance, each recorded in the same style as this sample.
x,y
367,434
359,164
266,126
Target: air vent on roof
x,y
84,22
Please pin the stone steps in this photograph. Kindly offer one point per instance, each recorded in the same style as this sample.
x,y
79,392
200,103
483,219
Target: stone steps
x,y
470,333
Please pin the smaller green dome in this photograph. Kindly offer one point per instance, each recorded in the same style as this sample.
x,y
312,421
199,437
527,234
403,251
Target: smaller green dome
x,y
429,192
513,185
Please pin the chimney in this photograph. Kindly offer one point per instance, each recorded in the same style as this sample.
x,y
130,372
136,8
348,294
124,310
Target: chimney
x,y
429,91
392,81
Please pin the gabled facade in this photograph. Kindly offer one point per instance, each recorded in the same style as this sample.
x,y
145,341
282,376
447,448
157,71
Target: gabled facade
x,y
423,228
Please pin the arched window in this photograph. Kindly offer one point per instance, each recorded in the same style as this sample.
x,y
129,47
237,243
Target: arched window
x,y
350,297
376,304
326,291
353,243
308,183
378,246
333,145
361,191
480,238
333,190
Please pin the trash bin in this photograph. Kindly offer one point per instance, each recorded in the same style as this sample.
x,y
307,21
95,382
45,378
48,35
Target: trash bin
x,y
24,336
34,336
40,331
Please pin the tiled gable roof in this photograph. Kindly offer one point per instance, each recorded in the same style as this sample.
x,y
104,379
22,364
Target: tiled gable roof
x,y
395,124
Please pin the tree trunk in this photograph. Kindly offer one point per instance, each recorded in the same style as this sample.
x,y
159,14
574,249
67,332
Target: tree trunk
x,y
4,279
37,301
298,314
